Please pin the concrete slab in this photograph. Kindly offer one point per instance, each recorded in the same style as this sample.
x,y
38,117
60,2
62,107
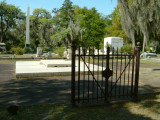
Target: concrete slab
x,y
36,69
56,63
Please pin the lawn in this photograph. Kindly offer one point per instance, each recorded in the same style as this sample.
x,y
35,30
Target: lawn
x,y
22,56
149,62
9,61
17,56
14,61
146,109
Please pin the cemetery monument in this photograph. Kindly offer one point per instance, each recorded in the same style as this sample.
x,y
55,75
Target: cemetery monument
x,y
27,29
116,42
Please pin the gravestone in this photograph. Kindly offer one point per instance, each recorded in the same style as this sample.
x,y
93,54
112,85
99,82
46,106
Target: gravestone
x,y
65,53
101,52
77,52
96,52
69,54
39,51
81,50
49,54
87,52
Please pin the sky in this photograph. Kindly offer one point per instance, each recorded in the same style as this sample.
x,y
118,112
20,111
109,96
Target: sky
x,y
105,7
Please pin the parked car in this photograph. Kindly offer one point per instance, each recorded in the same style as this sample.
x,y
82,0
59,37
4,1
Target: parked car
x,y
148,55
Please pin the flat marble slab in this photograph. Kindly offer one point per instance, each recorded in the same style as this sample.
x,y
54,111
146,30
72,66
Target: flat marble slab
x,y
28,69
56,63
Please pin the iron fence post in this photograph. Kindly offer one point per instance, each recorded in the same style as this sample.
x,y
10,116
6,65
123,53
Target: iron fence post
x,y
137,70
107,68
73,75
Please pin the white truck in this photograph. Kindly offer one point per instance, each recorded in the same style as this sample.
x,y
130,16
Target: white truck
x,y
116,42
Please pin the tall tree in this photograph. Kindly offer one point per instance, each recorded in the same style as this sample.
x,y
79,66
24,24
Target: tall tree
x,y
140,16
93,24
62,20
113,26
19,34
42,24
8,17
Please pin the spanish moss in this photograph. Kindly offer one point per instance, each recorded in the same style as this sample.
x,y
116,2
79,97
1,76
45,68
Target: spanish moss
x,y
140,16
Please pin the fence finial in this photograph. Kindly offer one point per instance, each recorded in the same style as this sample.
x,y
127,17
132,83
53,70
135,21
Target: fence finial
x,y
138,43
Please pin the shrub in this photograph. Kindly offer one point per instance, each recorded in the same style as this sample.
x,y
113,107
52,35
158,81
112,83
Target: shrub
x,y
60,51
17,50
13,50
147,49
27,50
46,49
91,50
108,45
126,49
158,49
41,45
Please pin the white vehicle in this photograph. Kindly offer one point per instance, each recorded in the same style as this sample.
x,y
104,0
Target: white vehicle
x,y
2,47
148,55
116,42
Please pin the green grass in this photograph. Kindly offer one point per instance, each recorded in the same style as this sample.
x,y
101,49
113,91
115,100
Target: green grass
x,y
22,56
149,62
7,61
148,108
17,56
91,61
14,61
123,61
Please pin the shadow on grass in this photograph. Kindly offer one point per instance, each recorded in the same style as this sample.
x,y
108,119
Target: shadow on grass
x,y
108,112
147,108
152,102
53,90
65,112
34,91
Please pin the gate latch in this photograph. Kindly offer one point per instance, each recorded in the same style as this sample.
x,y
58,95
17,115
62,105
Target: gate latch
x,y
107,73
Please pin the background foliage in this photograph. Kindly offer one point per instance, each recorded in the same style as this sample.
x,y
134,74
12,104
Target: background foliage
x,y
86,27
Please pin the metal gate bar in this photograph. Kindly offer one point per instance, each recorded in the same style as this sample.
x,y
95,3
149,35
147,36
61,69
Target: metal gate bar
x,y
90,86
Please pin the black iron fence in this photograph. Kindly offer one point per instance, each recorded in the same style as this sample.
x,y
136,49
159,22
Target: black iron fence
x,y
104,77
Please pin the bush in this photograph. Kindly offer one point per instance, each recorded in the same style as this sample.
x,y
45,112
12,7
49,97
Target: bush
x,y
13,50
108,45
147,49
41,45
60,51
27,50
46,49
17,50
126,49
158,49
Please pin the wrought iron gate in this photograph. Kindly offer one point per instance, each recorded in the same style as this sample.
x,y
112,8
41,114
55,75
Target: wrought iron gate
x,y
100,78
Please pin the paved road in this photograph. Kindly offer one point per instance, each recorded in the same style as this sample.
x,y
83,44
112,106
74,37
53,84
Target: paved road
x,y
7,72
150,77
33,90
56,89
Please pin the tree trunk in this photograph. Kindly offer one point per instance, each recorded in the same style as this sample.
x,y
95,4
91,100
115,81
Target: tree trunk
x,y
44,38
132,32
1,30
1,38
144,42
66,42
